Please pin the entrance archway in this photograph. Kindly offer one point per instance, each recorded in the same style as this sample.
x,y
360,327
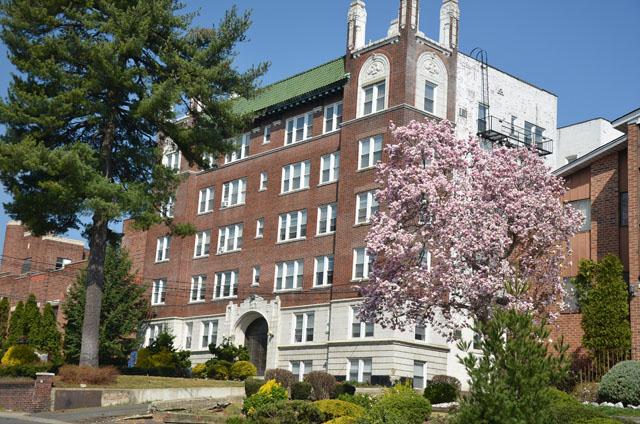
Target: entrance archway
x,y
255,339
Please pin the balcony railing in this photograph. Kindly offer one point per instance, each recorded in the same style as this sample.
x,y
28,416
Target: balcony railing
x,y
498,131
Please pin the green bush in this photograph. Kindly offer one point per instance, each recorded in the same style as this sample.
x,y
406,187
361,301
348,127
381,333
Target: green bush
x,y
284,377
344,388
334,408
270,392
199,371
343,420
252,385
287,412
28,370
398,405
621,384
440,392
227,351
143,360
19,355
300,390
242,370
361,399
447,379
565,409
323,384
218,369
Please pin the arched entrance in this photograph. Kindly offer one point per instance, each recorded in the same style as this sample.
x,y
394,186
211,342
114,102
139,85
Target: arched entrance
x,y
255,339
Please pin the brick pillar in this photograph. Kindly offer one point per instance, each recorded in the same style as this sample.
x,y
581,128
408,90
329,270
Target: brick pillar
x,y
634,233
42,392
605,228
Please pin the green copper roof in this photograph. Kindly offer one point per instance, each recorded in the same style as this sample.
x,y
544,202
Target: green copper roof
x,y
295,88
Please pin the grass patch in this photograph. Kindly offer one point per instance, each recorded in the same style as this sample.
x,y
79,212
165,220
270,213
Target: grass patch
x,y
145,382
615,412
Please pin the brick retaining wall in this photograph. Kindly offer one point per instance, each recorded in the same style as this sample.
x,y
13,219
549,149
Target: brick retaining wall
x,y
27,396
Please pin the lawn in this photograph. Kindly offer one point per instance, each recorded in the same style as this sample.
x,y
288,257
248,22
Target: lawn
x,y
616,412
145,382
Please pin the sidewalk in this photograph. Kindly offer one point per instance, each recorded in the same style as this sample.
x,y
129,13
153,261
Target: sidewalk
x,y
87,415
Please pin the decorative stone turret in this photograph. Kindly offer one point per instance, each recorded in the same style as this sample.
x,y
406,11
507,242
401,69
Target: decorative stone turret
x,y
357,21
449,23
409,14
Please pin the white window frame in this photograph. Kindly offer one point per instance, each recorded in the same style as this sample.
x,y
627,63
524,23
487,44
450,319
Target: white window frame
x,y
202,246
241,150
255,276
366,201
188,335
361,363
266,134
153,331
221,284
375,97
305,331
363,327
333,160
285,223
365,268
198,288
264,179
330,213
205,200
323,265
159,291
304,368
210,331
333,114
236,188
295,171
260,228
296,267
422,375
433,100
163,248
420,333
171,157
369,144
230,238
168,209
291,128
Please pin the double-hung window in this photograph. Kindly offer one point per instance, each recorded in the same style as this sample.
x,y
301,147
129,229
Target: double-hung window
x,y
230,238
209,333
429,97
158,292
233,193
260,228
374,98
295,176
329,168
162,248
198,288
299,128
226,285
264,178
301,368
327,219
303,327
421,333
370,152
332,117
323,274
240,149
360,370
188,335
154,331
361,263
289,275
205,200
203,243
168,209
419,374
292,226
360,329
255,278
367,206
171,157
266,137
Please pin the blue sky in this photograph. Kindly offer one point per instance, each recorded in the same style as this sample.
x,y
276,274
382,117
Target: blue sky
x,y
585,52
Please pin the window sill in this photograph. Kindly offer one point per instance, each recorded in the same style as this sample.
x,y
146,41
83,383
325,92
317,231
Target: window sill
x,y
195,302
286,193
221,299
359,280
204,213
297,290
261,190
291,241
368,168
324,287
258,238
200,257
328,183
361,224
162,261
255,285
325,132
233,206
332,233
297,141
228,252
158,304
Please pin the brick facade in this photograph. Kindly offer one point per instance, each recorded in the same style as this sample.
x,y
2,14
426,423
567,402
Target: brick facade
x,y
27,396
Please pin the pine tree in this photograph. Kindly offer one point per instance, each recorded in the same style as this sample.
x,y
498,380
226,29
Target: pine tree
x,y
5,308
31,320
96,82
49,338
125,307
16,328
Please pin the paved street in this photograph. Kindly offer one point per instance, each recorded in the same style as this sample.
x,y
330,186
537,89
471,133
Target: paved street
x,y
87,415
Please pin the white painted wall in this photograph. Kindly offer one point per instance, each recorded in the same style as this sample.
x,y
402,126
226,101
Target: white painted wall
x,y
579,139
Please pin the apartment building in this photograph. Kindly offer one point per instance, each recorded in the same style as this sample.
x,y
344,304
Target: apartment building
x,y
282,220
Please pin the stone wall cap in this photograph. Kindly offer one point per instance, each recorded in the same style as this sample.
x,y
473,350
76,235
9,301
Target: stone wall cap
x,y
45,373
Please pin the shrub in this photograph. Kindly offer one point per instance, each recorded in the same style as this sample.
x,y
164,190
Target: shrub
x,y
343,420
398,405
143,360
586,392
344,388
440,392
333,408
19,355
270,392
227,351
285,412
28,370
252,385
364,400
447,379
300,390
218,369
242,370
73,374
566,409
323,384
284,377
199,371
621,384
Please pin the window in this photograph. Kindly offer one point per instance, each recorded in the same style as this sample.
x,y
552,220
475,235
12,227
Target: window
x,y
26,266
226,284
168,209
233,193
370,152
360,329
421,333
260,228
323,274
538,136
367,207
583,206
240,149
361,263
483,115
198,288
419,380
571,305
203,243
332,117
255,279
158,292
263,181
295,176
154,331
528,132
289,275
205,200
429,97
327,219
266,138
209,333
303,327
374,97
329,168
188,335
209,159
514,119
624,209
171,158
299,128
230,238
292,226
162,248
301,368
62,262
360,370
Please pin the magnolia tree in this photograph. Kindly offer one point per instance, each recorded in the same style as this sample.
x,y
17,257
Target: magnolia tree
x,y
463,230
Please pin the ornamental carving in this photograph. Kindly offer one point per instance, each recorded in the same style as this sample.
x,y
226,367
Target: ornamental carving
x,y
431,67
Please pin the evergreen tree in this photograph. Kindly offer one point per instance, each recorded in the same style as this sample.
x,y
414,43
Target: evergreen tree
x,y
31,320
96,82
49,338
125,307
5,308
16,328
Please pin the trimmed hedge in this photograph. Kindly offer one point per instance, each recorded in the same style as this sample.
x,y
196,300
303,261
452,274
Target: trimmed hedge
x,y
440,392
242,370
333,408
301,390
400,404
621,384
323,384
